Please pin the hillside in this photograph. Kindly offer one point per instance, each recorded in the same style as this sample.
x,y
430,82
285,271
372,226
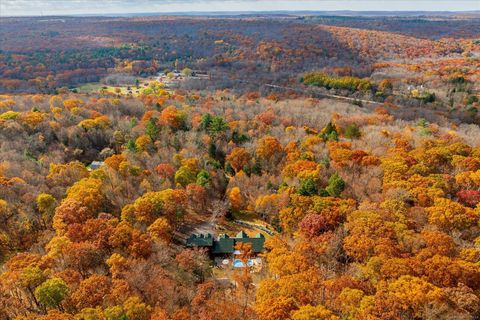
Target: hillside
x,y
253,167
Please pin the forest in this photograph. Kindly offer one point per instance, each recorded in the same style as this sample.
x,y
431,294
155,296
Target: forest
x,y
352,144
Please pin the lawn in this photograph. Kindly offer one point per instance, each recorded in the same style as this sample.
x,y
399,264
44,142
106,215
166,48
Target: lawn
x,y
96,87
89,87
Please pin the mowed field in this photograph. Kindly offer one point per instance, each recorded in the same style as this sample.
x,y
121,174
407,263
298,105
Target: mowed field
x,y
125,90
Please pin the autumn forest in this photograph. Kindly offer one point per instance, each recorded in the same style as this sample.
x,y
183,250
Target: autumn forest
x,y
339,155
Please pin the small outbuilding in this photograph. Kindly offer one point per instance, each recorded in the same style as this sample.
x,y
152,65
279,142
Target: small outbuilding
x,y
95,165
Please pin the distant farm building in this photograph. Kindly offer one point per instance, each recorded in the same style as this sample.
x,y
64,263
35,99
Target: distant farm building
x,y
95,165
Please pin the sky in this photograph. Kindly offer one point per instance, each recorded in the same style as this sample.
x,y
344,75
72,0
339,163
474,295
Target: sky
x,y
69,7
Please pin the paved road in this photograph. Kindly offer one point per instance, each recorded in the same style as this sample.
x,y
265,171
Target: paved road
x,y
309,91
205,227
321,94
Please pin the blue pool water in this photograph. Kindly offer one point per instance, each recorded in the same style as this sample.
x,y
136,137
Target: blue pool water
x,y
237,263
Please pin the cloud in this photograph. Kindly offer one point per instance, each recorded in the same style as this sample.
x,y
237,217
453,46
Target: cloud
x,y
56,7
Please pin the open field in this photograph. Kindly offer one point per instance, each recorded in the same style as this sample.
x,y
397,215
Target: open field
x,y
125,90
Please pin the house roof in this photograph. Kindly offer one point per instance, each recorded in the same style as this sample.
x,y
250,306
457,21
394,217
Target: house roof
x,y
201,240
96,164
241,235
224,244
257,242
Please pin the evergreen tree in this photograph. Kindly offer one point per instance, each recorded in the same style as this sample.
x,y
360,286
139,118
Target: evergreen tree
x,y
131,146
335,185
308,187
151,128
352,131
329,132
203,178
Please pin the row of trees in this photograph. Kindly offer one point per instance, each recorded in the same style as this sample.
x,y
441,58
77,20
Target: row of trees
x,y
345,83
374,217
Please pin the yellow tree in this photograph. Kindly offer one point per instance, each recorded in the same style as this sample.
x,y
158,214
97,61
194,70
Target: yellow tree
x,y
269,149
160,230
238,158
236,199
451,215
309,312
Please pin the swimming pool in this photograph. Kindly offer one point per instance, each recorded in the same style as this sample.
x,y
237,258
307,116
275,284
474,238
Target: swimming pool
x,y
237,263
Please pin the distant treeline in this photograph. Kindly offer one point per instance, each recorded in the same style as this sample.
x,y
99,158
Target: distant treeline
x,y
320,79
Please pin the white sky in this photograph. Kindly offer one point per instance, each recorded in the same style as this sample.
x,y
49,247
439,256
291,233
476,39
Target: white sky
x,y
59,7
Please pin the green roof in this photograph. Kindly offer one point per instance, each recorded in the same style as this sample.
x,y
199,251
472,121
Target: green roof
x,y
200,240
225,244
257,243
241,235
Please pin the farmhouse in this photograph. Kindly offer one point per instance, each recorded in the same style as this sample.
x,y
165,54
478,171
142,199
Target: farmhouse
x,y
95,165
224,245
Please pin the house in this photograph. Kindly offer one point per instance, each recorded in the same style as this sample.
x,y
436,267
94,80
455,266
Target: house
x,y
95,165
225,245
201,240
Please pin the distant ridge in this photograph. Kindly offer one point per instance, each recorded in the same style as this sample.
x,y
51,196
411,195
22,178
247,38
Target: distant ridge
x,y
292,13
347,13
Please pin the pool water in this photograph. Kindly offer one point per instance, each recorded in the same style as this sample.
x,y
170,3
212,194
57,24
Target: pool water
x,y
237,263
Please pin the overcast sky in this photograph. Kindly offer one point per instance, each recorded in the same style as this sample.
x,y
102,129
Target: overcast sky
x,y
58,7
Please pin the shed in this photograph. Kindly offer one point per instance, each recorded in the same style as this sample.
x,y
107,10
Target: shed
x,y
95,165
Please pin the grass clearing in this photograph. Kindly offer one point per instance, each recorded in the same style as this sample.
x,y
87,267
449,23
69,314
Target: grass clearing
x,y
124,90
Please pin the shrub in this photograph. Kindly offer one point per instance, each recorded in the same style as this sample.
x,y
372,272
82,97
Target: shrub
x,y
308,187
352,131
335,185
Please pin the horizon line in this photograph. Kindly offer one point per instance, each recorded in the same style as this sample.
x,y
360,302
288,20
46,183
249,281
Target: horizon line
x,y
246,12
